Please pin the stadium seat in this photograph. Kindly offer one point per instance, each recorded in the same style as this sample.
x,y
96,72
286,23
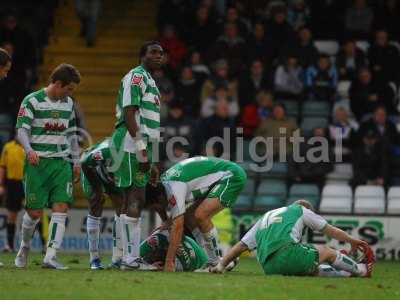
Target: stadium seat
x,y
363,45
279,171
292,108
316,109
309,123
270,194
343,88
341,174
393,205
330,48
308,192
336,199
245,200
369,199
5,121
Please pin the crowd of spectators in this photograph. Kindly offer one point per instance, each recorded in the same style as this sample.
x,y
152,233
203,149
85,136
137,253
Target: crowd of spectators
x,y
239,63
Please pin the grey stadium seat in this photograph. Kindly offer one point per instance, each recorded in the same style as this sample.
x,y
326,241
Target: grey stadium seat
x,y
369,199
336,199
316,109
270,194
245,200
310,123
393,200
341,174
305,191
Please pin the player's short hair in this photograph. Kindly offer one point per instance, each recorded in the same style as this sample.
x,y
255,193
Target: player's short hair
x,y
305,203
65,73
153,193
146,45
4,57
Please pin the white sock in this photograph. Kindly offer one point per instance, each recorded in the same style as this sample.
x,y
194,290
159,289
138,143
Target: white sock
x,y
131,231
27,230
117,251
211,245
56,234
198,236
124,242
329,271
93,233
345,263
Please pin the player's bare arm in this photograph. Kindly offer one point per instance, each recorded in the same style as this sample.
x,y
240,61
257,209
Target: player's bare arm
x,y
342,236
233,253
176,233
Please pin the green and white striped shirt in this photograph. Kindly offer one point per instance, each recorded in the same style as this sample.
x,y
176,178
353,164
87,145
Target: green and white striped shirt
x,y
49,122
138,88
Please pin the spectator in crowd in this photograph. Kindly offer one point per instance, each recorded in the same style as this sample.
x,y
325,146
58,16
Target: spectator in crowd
x,y
232,16
276,127
384,58
11,166
385,129
388,17
259,46
23,53
288,80
221,92
311,171
279,30
359,18
175,48
327,27
298,14
303,48
200,70
230,46
214,126
178,124
188,89
252,83
365,95
202,30
349,60
88,12
173,12
321,79
370,161
219,77
255,113
163,83
167,96
342,133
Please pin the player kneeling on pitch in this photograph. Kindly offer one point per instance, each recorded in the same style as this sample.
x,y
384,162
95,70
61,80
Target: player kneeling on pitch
x,y
217,181
189,256
96,180
277,238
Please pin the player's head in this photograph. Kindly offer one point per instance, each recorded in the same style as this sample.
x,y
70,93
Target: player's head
x,y
64,80
151,55
305,203
5,63
156,197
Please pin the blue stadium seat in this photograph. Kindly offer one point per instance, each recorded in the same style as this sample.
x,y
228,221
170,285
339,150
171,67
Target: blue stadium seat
x,y
310,123
308,192
270,194
245,200
292,108
316,109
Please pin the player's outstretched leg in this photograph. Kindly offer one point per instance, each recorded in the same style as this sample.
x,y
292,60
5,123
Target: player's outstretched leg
x,y
93,233
28,228
342,262
56,235
329,271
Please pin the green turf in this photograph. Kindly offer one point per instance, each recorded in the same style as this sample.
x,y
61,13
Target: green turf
x,y
246,282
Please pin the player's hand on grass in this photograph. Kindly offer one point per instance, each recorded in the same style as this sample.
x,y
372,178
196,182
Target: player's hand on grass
x,y
77,173
218,269
169,266
33,158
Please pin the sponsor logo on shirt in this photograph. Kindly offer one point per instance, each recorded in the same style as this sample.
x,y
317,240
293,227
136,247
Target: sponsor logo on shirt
x,y
54,127
21,112
172,201
157,100
137,79
97,156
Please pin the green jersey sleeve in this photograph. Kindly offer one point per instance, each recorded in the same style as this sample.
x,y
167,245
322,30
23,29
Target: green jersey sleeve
x,y
25,114
133,89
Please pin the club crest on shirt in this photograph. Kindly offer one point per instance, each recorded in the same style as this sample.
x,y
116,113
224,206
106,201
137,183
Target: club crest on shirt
x,y
55,114
136,79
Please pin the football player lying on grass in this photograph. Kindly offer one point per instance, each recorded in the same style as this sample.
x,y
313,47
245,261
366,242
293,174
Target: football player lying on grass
x,y
189,256
277,237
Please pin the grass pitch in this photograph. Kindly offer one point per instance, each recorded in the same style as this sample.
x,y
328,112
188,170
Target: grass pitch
x,y
245,282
